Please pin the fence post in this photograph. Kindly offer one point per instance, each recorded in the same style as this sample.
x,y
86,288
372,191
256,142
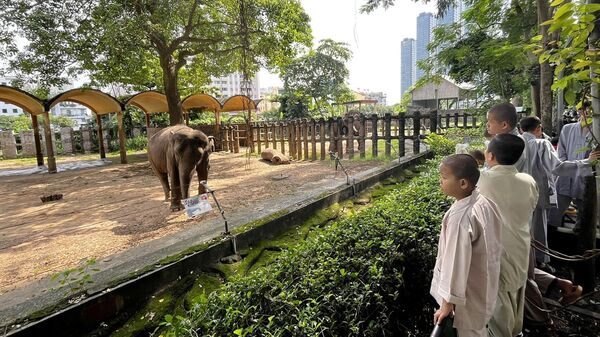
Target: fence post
x,y
292,138
305,136
266,135
361,136
374,135
313,139
299,138
401,135
259,145
322,138
474,120
456,119
350,137
340,138
433,121
236,139
416,132
387,127
465,126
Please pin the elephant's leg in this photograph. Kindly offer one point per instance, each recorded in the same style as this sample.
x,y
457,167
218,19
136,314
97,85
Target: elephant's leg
x,y
164,181
175,188
185,176
202,170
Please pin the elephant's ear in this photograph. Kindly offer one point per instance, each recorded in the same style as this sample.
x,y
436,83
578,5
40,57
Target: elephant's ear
x,y
178,139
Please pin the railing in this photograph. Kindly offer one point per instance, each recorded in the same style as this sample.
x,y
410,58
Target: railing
x,y
311,139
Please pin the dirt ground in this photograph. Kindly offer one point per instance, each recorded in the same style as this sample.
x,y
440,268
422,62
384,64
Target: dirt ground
x,y
106,210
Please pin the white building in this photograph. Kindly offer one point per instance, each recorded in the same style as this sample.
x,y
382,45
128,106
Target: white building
x,y
79,113
268,96
231,85
5,108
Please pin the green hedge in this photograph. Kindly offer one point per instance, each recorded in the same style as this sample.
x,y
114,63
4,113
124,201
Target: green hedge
x,y
367,275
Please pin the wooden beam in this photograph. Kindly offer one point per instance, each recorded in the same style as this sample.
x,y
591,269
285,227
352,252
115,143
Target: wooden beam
x,y
100,140
122,149
49,147
36,138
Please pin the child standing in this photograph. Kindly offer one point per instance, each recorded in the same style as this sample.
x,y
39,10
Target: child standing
x,y
515,195
465,278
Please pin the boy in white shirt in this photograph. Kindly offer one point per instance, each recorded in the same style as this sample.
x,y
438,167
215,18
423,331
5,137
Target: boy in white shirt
x,y
515,195
466,274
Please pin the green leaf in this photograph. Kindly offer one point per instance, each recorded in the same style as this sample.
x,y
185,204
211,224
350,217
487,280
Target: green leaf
x,y
556,3
169,318
581,64
537,38
570,97
238,332
546,23
564,10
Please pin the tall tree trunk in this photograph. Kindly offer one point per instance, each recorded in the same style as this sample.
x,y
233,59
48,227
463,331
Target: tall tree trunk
x,y
170,81
546,73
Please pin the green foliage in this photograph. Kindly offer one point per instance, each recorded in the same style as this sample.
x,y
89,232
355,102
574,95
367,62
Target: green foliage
x,y
293,105
365,275
175,45
574,21
320,76
76,278
136,143
23,122
440,145
491,53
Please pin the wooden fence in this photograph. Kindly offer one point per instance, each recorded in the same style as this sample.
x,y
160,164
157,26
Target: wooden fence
x,y
316,139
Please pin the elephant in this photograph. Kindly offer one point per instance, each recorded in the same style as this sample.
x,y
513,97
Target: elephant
x,y
174,153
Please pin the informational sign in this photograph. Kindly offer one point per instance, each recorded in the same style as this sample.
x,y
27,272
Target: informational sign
x,y
197,205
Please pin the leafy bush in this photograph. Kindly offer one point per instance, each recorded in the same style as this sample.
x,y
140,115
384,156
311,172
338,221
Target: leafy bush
x,y
136,143
440,145
367,275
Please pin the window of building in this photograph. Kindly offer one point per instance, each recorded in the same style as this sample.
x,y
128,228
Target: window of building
x,y
4,111
15,111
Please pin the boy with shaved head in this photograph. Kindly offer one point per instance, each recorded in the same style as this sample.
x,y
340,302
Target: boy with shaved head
x,y
466,274
515,195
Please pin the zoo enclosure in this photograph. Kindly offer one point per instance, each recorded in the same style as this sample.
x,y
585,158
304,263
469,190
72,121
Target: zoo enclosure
x,y
303,138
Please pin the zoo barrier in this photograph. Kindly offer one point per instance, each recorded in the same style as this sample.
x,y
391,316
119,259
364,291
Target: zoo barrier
x,y
303,138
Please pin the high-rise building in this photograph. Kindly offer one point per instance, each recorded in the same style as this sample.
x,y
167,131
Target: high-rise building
x,y
425,24
451,15
407,64
232,84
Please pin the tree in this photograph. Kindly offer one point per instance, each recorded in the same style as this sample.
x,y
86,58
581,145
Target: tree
x,y
320,75
139,43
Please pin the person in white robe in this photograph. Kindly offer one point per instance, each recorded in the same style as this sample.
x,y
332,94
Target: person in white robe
x,y
543,163
466,274
515,195
574,137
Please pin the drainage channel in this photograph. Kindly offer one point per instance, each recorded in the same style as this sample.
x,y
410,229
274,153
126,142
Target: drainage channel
x,y
85,316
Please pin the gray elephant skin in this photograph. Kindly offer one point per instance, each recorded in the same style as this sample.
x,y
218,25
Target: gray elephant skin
x,y
174,154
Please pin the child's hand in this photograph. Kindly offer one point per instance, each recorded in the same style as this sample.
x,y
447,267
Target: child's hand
x,y
594,156
444,311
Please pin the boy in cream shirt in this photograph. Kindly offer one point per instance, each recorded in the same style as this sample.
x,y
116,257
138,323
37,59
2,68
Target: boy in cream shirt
x,y
516,196
466,274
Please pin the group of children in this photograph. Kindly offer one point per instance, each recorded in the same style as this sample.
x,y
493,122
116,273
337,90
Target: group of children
x,y
485,267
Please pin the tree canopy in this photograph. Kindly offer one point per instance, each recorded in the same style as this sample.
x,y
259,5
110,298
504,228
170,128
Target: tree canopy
x,y
173,44
320,75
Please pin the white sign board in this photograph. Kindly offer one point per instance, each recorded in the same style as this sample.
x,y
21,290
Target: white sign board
x,y
197,205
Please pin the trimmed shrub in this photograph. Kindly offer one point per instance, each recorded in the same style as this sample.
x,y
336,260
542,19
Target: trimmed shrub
x,y
136,143
367,275
440,145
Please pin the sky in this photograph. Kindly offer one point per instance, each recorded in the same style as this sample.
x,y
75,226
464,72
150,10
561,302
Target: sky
x,y
373,38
